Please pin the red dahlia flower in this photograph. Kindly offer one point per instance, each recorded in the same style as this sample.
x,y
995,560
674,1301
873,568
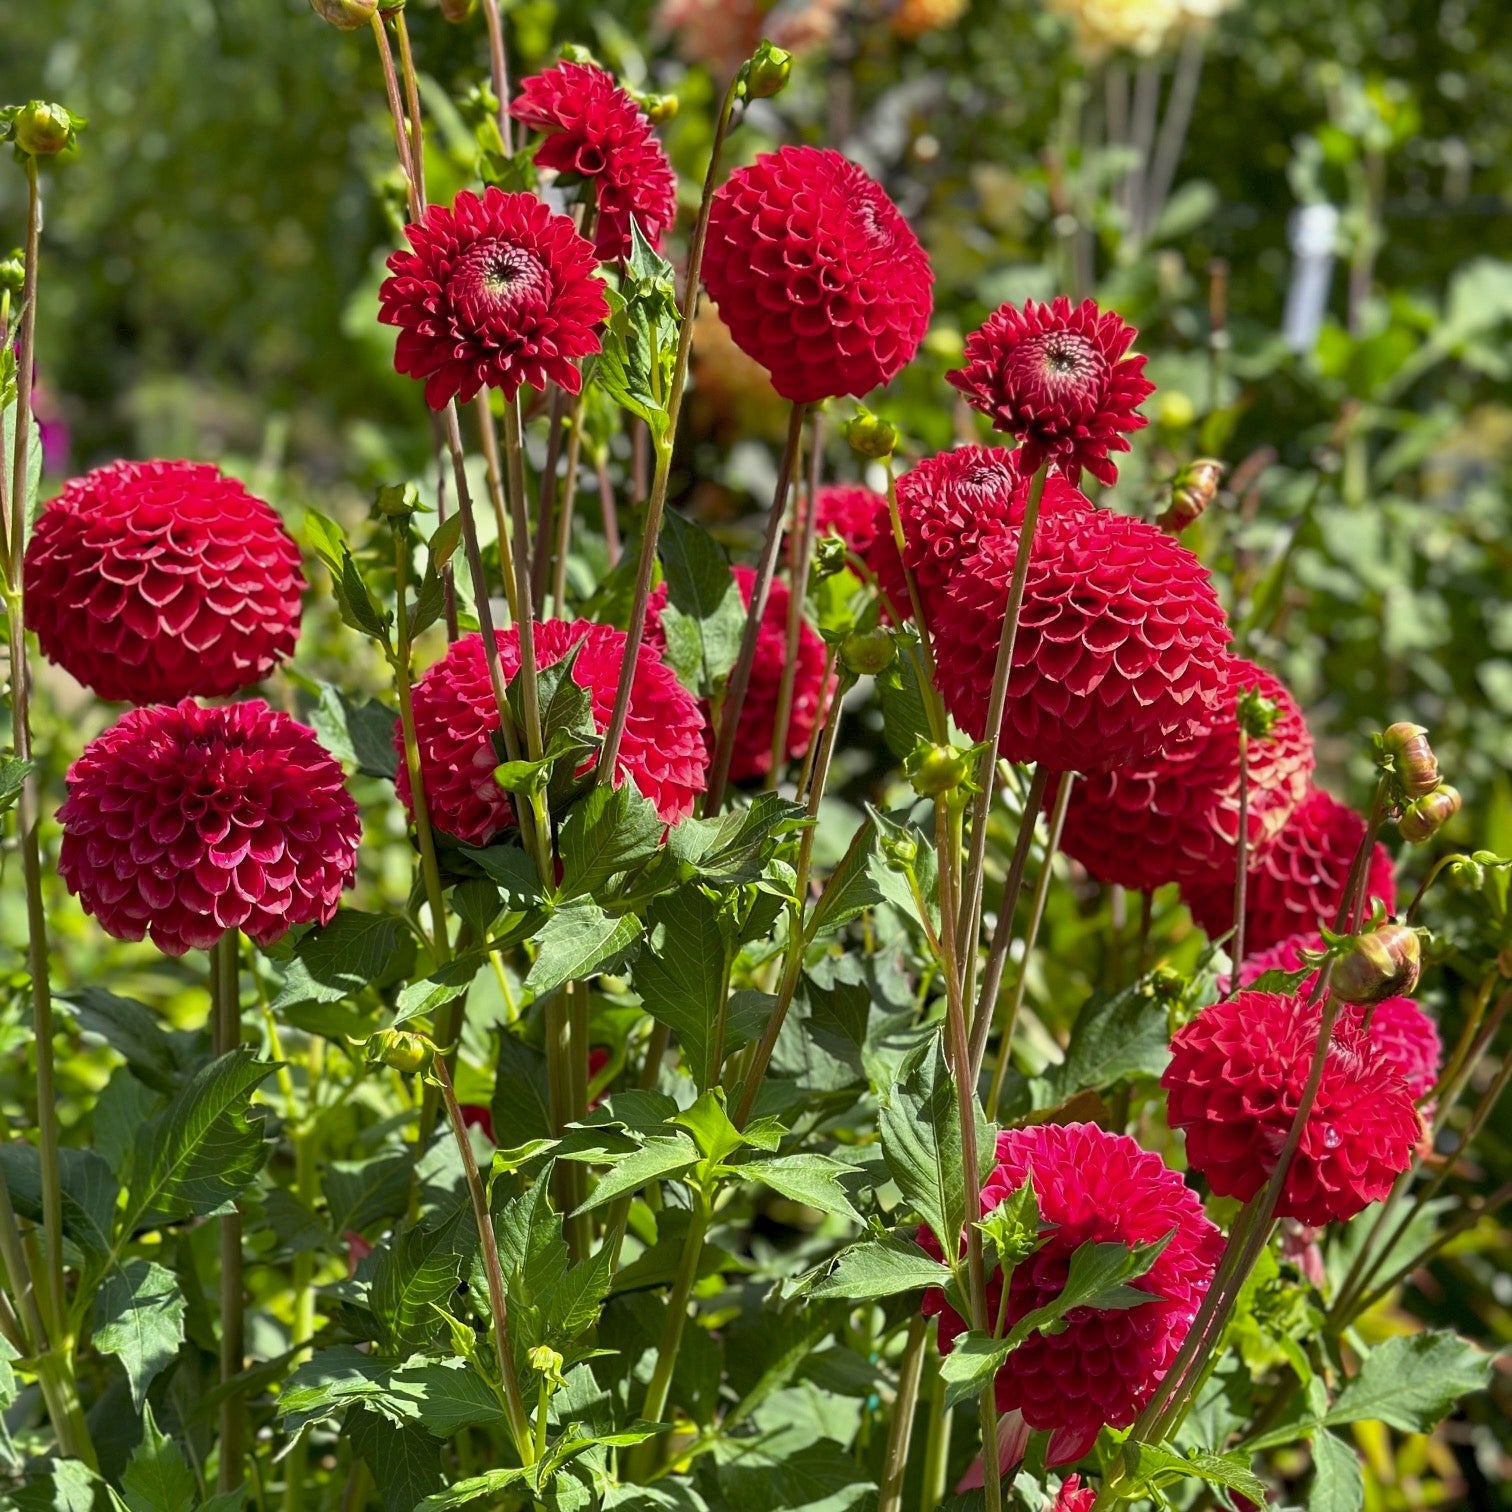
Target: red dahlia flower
x,y
497,292
1121,643
1104,1365
1176,814
183,822
1234,1085
456,721
1073,1496
816,273
596,131
1298,884
855,513
758,715
151,581
1058,379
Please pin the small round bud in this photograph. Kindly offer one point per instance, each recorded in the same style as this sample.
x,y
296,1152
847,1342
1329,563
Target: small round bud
x,y
544,1360
13,272
830,556
457,11
1256,714
1369,968
768,72
936,769
900,852
575,52
1425,816
346,15
867,652
871,436
42,129
397,501
658,107
400,1050
1192,490
1412,758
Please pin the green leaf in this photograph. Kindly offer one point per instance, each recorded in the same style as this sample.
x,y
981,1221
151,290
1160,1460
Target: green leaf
x,y
1338,1478
1013,1226
682,975
329,1381
578,941
851,889
158,1478
609,831
881,1268
449,1395
521,1107
1156,1466
204,1147
13,775
704,618
810,1178
360,1194
359,733
353,600
133,1032
404,1459
1411,1382
56,1485
710,1125
905,719
512,870
139,1317
339,960
1115,1037
734,848
89,1192
421,1267
459,1493
661,1156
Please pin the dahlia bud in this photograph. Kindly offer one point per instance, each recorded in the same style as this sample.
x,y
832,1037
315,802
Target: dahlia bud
x,y
936,769
867,652
899,851
42,129
1192,490
870,435
400,1050
830,556
1256,714
1373,967
1425,816
575,52
544,1360
13,272
397,501
1406,746
658,107
346,15
768,72
457,11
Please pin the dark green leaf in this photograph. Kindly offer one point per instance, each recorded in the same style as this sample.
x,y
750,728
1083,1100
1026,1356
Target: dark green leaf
x,y
416,1273
158,1478
361,1194
881,1268
682,975
13,775
139,1318
805,1177
851,889
359,733
704,617
338,961
734,847
1157,1466
1412,1382
329,1381
353,599
578,941
1127,1034
1338,1479
89,1193
449,1395
512,870
133,1032
405,1460
609,831
662,1155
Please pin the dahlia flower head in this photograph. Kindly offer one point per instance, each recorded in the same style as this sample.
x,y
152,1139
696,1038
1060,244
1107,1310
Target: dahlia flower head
x,y
1061,379
1298,884
1235,1083
1105,1364
1398,1026
949,506
1176,814
149,582
1121,643
816,273
757,729
593,129
456,721
182,822
856,514
496,293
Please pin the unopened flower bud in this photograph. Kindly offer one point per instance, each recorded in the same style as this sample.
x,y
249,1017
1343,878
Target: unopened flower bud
x,y
1192,490
768,72
346,15
13,272
1425,816
42,129
1381,964
575,52
900,852
400,1050
397,501
1256,714
457,11
866,652
658,107
544,1360
870,435
1412,758
830,556
936,769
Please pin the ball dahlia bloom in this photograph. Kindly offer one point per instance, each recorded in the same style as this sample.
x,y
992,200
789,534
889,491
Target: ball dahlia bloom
x,y
758,715
152,581
496,292
593,129
1121,643
816,273
182,822
1176,814
1060,379
456,721
1298,884
1234,1085
1104,1365
855,513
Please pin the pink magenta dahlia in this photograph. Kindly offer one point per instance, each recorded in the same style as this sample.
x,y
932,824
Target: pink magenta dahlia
x,y
1104,1365
1060,380
1234,1085
1073,1496
758,715
1298,884
817,274
1121,643
497,292
183,822
855,513
456,721
594,130
152,581
1177,814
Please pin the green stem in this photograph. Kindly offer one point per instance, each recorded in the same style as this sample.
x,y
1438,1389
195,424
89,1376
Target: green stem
x,y
1241,870
566,507
900,1430
225,984
937,1446
498,70
412,106
414,193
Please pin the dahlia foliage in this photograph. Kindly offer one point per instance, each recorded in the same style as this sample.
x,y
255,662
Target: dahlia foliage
x,y
736,1079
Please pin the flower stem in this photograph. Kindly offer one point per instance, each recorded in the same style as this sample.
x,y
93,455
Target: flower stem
x,y
498,70
412,106
1241,867
937,1446
800,554
225,1028
900,1430
415,195
566,506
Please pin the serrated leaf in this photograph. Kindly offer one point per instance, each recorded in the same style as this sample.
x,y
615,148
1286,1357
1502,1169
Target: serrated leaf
x,y
805,1177
682,975
353,600
1411,1382
512,870
132,1031
158,1477
88,1188
521,1106
851,889
576,942
13,775
662,1156
1156,1466
469,1489
704,618
56,1485
449,1395
405,1460
358,732
733,848
360,1194
339,960
329,1381
421,1268
1338,1478
1115,1037
139,1317
881,1268
609,831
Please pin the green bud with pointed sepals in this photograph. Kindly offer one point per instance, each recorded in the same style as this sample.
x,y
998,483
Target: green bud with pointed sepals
x,y
13,272
1256,714
936,769
40,128
867,652
830,556
346,15
768,72
1384,963
870,435
400,1050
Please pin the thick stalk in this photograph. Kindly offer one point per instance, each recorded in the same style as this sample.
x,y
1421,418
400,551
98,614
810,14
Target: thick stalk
x,y
1031,935
800,555
608,510
493,470
514,1403
514,488
1241,866
225,986
498,70
412,107
971,899
766,565
900,1430
937,1447
547,504
566,507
